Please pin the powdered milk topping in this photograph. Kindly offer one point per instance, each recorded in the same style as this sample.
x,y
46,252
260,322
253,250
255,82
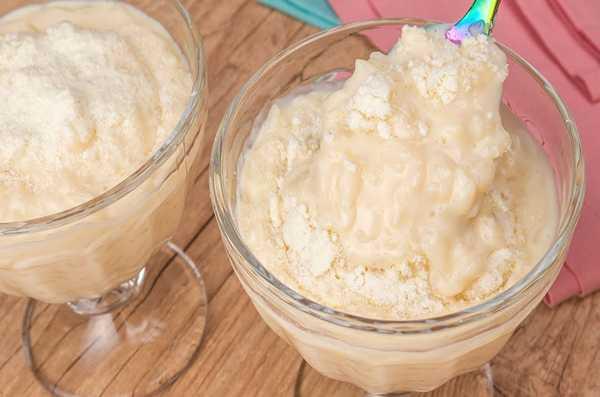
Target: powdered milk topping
x,y
84,101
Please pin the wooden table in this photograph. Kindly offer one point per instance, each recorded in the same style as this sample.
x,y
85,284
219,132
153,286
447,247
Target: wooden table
x,y
555,353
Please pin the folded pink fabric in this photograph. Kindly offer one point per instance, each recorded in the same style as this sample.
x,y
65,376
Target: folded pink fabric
x,y
555,33
561,54
582,18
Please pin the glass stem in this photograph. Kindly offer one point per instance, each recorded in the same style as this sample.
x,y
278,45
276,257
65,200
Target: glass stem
x,y
112,300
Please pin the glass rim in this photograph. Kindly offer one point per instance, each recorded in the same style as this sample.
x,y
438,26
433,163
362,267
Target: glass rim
x,y
233,238
139,176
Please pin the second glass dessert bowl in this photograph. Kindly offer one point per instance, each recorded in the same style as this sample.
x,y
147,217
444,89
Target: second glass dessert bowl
x,y
383,357
90,261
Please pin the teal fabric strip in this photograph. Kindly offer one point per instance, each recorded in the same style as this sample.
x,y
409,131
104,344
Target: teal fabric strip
x,y
318,7
313,12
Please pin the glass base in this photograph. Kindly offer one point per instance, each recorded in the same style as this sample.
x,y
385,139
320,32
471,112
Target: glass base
x,y
309,383
135,341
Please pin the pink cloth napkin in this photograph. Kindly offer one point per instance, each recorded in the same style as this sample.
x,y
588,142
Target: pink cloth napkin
x,y
562,39
583,20
556,34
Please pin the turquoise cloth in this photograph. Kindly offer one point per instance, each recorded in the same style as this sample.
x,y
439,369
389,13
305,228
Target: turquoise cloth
x,y
314,12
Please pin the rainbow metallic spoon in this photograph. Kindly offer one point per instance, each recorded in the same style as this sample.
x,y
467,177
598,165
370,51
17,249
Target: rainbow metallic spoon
x,y
479,19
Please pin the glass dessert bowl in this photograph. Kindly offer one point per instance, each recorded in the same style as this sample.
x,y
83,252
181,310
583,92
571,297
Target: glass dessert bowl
x,y
95,258
383,357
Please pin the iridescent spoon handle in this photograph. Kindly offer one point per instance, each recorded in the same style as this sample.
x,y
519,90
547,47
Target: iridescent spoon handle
x,y
479,19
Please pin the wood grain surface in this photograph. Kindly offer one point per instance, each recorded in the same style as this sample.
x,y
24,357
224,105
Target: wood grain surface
x,y
554,353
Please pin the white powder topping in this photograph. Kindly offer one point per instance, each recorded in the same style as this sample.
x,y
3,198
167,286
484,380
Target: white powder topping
x,y
441,72
370,105
81,109
372,98
310,246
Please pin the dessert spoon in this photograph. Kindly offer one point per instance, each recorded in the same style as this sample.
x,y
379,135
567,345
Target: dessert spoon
x,y
478,19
